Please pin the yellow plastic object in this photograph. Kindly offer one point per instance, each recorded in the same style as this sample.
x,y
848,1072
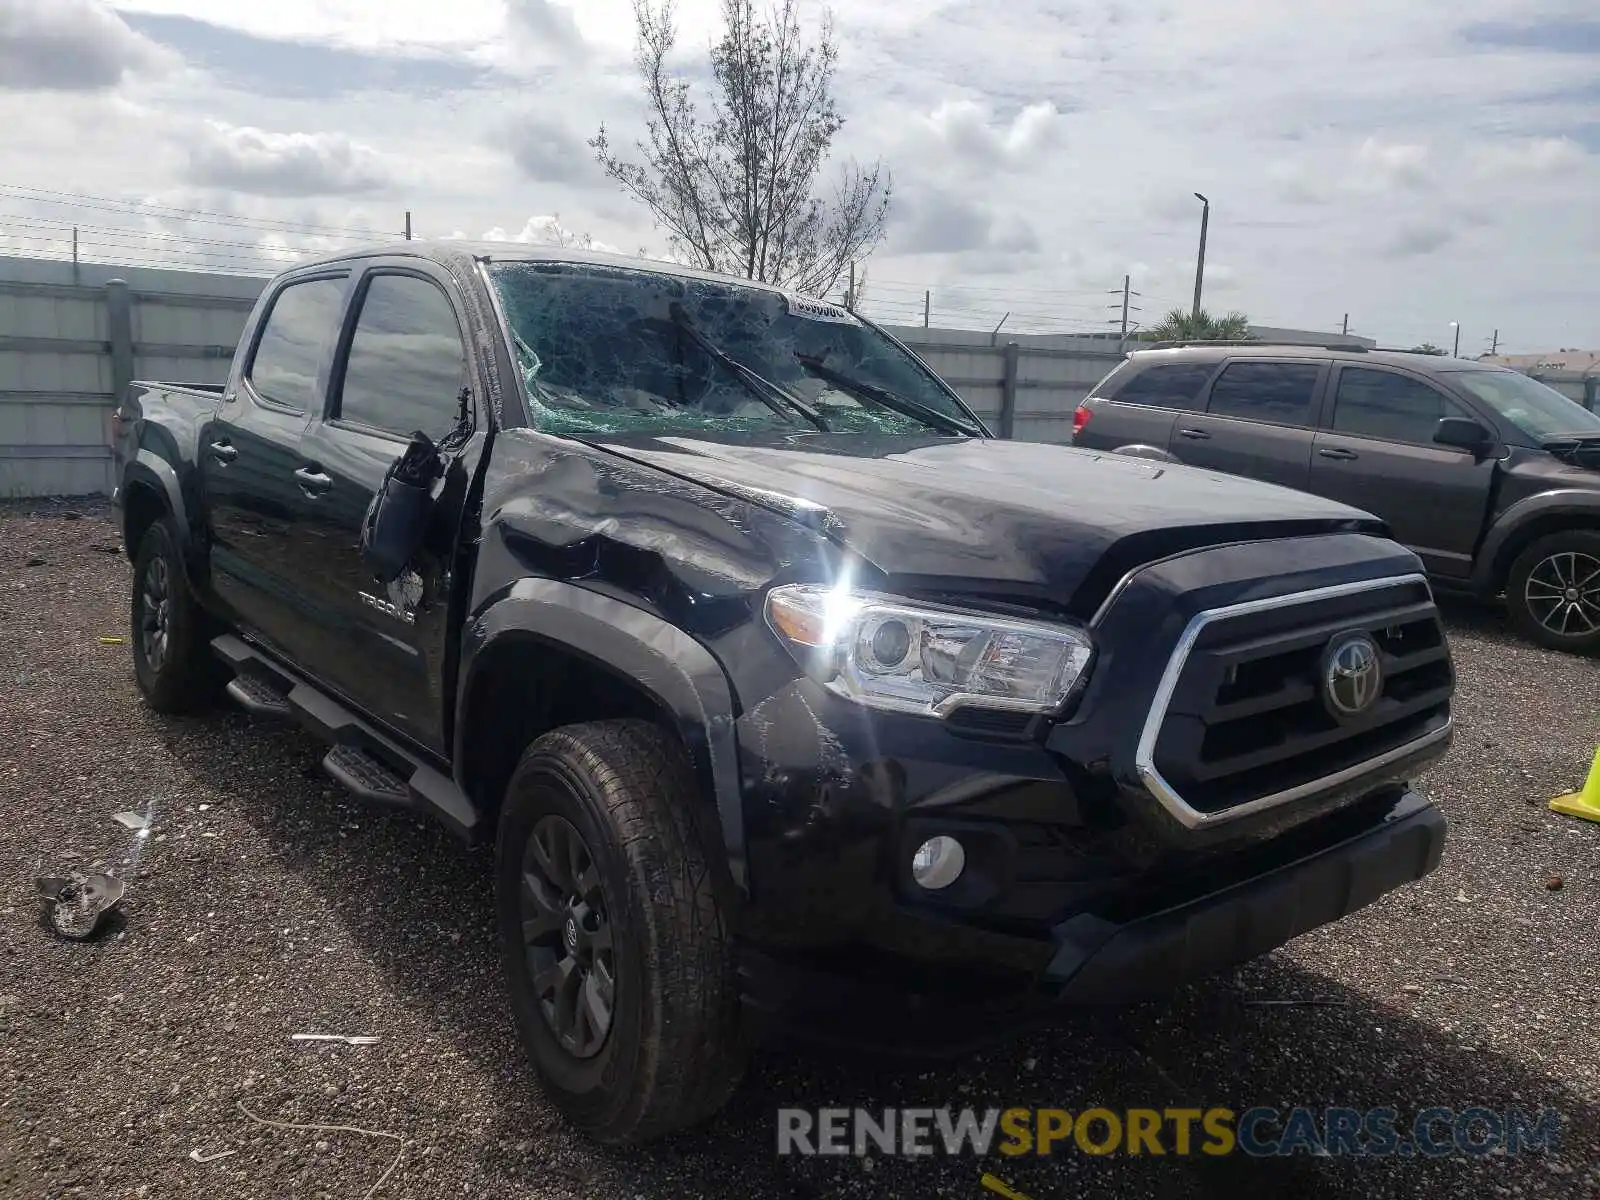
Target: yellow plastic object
x,y
1585,802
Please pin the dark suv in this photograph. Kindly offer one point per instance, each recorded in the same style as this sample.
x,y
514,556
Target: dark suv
x,y
1490,476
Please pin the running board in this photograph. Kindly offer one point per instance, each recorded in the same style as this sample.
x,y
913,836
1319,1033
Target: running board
x,y
368,764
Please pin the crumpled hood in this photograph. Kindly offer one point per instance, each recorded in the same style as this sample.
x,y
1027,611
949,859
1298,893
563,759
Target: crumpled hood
x,y
1034,517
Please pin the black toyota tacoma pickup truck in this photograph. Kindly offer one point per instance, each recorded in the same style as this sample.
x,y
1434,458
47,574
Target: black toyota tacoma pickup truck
x,y
789,698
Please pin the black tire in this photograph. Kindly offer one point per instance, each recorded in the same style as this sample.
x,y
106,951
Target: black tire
x,y
672,1054
172,658
1554,591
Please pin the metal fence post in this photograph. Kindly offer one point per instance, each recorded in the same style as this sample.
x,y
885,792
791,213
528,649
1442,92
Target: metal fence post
x,y
119,322
1008,390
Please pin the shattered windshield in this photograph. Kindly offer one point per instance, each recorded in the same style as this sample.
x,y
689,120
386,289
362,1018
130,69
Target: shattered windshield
x,y
613,350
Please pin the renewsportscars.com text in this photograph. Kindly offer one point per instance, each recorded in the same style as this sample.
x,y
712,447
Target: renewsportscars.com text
x,y
1258,1132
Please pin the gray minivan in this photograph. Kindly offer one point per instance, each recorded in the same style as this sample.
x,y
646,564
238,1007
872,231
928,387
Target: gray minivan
x,y
1490,476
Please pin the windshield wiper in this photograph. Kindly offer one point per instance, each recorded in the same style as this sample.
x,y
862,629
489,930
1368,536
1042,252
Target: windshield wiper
x,y
778,399
903,405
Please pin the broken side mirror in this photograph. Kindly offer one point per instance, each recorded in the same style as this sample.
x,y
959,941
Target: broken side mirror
x,y
1462,433
397,518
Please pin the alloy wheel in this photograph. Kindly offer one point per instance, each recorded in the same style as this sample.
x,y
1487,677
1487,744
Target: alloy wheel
x,y
155,615
1563,593
567,935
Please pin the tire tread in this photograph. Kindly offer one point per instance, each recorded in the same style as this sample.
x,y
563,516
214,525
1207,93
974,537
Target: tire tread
x,y
691,1059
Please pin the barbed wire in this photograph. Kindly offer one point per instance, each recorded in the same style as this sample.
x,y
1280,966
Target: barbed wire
x,y
239,244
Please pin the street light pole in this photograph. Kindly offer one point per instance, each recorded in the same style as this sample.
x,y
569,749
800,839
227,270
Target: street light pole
x,y
1200,262
1456,325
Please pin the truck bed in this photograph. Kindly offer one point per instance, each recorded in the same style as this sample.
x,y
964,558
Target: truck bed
x,y
159,385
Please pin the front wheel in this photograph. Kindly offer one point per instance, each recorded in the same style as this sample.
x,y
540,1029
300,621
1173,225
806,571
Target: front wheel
x,y
1554,591
617,952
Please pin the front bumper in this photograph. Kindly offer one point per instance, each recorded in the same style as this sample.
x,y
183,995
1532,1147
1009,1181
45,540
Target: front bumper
x,y
1102,962
1099,959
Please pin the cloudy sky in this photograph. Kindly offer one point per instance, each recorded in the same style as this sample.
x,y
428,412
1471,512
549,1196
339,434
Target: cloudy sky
x,y
1410,162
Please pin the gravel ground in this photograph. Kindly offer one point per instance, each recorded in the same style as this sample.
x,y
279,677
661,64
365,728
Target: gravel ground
x,y
264,904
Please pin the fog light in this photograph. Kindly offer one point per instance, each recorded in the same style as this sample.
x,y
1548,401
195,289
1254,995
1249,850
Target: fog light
x,y
938,863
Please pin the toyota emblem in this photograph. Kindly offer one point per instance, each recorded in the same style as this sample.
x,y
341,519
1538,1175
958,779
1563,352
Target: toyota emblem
x,y
1352,675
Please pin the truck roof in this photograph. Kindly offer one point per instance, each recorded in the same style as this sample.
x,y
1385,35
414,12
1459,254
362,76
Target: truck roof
x,y
462,252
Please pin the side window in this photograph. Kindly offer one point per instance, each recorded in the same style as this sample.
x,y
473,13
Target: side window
x,y
1382,404
1168,385
294,340
1266,391
407,365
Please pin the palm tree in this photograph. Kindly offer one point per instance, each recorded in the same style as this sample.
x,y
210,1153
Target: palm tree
x,y
1179,325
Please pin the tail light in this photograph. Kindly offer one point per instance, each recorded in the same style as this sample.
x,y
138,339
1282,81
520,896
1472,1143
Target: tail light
x,y
1080,418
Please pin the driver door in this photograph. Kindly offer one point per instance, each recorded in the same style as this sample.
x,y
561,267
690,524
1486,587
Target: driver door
x,y
401,367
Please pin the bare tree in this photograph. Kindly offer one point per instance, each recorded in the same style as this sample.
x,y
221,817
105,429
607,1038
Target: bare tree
x,y
554,233
737,190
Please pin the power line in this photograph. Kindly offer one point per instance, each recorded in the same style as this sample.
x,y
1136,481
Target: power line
x,y
173,211
190,251
26,220
59,252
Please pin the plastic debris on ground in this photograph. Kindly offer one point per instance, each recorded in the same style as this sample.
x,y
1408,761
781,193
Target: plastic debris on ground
x,y
399,1153
80,904
137,822
347,1039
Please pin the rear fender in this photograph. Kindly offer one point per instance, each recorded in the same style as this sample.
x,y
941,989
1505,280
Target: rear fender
x,y
148,470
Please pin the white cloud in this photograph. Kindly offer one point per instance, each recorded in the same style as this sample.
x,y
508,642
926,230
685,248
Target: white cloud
x,y
549,231
970,131
404,25
1040,150
1531,156
286,164
69,45
1394,164
1418,238
546,149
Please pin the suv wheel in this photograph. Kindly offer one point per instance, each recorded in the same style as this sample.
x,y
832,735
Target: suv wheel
x,y
172,658
617,952
1554,591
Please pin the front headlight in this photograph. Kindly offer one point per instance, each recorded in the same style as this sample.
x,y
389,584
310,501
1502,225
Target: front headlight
x,y
908,657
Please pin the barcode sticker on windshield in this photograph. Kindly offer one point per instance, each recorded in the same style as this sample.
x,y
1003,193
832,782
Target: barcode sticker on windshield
x,y
818,310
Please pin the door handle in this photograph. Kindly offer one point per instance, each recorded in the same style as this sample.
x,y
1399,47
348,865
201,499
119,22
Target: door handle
x,y
1195,435
223,452
312,481
1339,453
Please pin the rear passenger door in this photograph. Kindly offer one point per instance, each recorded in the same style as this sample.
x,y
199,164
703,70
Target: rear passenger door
x,y
402,367
1140,410
1378,454
1258,421
250,450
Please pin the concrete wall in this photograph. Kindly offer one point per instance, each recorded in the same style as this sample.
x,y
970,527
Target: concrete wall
x,y
67,344
1026,386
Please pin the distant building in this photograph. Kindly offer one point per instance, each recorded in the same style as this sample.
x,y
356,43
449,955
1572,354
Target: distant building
x,y
1573,373
1563,362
